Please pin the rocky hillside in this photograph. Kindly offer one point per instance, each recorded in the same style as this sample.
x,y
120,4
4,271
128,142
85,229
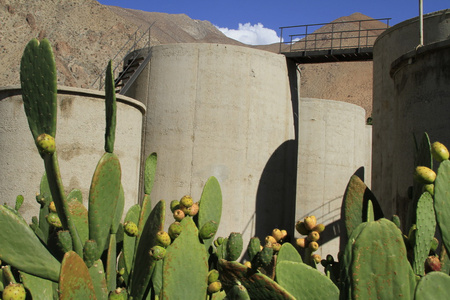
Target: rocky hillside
x,y
86,34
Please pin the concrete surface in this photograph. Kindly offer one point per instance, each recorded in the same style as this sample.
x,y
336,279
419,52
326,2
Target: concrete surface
x,y
394,115
223,111
79,142
334,142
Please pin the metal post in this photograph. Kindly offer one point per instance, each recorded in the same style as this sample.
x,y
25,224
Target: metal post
x,y
421,22
281,37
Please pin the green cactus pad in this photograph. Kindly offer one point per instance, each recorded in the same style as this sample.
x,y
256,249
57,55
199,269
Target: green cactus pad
x,y
43,211
355,206
210,206
258,285
150,171
305,282
375,264
110,109
143,263
39,88
17,251
185,267
79,215
433,286
157,277
129,242
40,288
75,194
103,197
441,204
254,246
98,280
145,211
111,271
75,282
234,246
288,253
119,211
426,227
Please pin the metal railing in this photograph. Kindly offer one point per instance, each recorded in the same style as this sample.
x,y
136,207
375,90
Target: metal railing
x,y
316,37
138,42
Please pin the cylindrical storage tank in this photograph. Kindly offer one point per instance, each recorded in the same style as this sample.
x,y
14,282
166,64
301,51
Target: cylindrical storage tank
x,y
79,143
223,111
334,144
411,95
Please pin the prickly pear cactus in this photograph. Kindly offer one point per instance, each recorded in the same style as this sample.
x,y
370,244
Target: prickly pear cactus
x,y
441,205
75,281
375,265
433,286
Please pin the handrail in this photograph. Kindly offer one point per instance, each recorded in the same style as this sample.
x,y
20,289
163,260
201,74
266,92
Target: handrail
x,y
133,47
331,39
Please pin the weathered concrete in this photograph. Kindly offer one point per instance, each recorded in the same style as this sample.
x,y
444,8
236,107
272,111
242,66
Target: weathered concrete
x,y
79,140
415,102
223,111
334,143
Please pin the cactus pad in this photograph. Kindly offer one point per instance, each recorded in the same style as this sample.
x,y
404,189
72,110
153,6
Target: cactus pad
x,y
75,282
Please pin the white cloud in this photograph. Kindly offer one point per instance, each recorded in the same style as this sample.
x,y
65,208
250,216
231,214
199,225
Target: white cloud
x,y
252,34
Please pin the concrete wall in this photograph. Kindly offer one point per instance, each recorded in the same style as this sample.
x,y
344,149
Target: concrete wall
x,y
223,111
334,142
409,105
79,142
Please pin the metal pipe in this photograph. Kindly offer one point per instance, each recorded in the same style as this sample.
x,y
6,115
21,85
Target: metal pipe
x,y
421,22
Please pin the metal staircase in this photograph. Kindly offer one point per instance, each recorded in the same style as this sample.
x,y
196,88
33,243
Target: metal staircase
x,y
132,60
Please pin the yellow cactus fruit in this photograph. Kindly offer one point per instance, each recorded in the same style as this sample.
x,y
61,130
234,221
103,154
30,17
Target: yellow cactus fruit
x,y
283,234
316,258
277,235
319,228
313,236
214,287
276,247
439,152
313,246
52,207
428,188
310,222
300,227
424,175
248,264
301,242
186,201
270,240
193,209
178,215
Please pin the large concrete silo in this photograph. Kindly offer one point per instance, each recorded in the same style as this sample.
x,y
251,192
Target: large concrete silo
x,y
79,141
411,96
223,111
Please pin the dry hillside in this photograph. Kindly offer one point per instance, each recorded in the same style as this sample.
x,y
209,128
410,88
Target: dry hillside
x,y
86,34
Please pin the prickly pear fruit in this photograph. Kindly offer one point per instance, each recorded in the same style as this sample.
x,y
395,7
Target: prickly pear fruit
x,y
319,228
130,228
301,242
52,207
54,220
218,241
270,240
157,252
163,238
178,215
265,256
89,252
238,292
424,175
118,294
174,205
175,230
186,201
434,244
313,236
432,263
428,188
313,246
213,276
310,222
208,230
439,152
276,247
194,209
253,247
283,234
300,227
14,291
214,287
234,246
277,234
316,258
248,264
186,210
46,143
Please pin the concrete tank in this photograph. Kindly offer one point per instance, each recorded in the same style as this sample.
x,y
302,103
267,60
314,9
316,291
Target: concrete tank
x,y
223,111
411,95
334,143
79,140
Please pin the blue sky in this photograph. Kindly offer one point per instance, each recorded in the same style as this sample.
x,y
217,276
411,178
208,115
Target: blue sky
x,y
264,17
